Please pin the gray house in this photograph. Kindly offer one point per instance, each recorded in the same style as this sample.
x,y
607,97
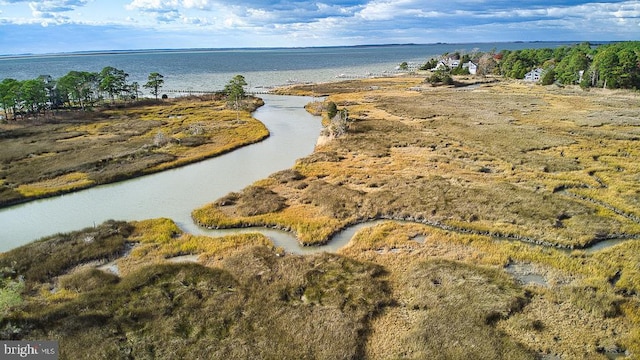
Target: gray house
x,y
534,75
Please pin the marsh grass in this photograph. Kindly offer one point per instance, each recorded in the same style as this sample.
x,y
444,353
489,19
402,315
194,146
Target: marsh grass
x,y
447,310
87,279
541,164
398,290
159,231
503,160
584,308
256,200
253,304
308,226
85,149
60,184
52,256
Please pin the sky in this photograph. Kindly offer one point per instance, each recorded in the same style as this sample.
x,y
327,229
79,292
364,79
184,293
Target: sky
x,y
51,26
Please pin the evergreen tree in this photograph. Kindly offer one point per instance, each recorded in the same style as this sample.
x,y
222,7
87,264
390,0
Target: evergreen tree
x,y
113,81
9,89
569,68
33,95
154,83
78,88
548,77
235,91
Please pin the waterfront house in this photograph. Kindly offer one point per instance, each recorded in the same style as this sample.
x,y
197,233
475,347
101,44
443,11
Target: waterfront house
x,y
534,75
473,68
448,63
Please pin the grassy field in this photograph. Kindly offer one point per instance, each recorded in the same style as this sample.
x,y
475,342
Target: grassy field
x,y
74,150
502,184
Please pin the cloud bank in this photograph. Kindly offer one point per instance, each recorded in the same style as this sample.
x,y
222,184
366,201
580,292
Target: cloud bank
x,y
240,23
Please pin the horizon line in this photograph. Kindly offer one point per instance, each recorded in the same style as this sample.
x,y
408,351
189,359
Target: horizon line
x,y
151,50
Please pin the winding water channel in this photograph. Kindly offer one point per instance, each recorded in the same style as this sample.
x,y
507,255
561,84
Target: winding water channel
x,y
175,193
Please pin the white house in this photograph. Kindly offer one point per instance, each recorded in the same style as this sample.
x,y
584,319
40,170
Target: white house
x,y
473,68
441,66
447,63
534,75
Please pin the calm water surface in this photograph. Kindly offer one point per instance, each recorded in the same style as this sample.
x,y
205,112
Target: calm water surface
x,y
262,68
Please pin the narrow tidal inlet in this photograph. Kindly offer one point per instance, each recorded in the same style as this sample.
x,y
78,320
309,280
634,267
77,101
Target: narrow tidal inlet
x,y
173,193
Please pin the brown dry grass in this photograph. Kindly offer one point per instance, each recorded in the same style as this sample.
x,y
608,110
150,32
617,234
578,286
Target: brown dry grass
x,y
549,165
398,290
504,159
578,313
248,303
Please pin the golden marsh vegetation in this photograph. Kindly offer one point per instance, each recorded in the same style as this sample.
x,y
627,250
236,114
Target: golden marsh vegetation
x,y
77,149
502,185
547,165
491,169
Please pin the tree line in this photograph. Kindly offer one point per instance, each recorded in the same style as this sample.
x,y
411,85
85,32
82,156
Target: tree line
x,y
75,90
613,66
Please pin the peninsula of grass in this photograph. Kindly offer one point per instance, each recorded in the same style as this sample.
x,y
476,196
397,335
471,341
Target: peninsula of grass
x,y
548,165
70,150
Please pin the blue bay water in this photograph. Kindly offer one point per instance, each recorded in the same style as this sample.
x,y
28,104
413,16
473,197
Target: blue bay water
x,y
262,68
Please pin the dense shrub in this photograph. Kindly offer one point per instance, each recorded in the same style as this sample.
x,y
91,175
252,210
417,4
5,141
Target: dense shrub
x,y
332,110
440,78
548,77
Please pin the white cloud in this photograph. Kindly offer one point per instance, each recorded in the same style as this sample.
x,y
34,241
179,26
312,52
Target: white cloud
x,y
153,5
51,11
57,5
168,16
197,4
163,5
260,15
382,10
233,22
338,10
